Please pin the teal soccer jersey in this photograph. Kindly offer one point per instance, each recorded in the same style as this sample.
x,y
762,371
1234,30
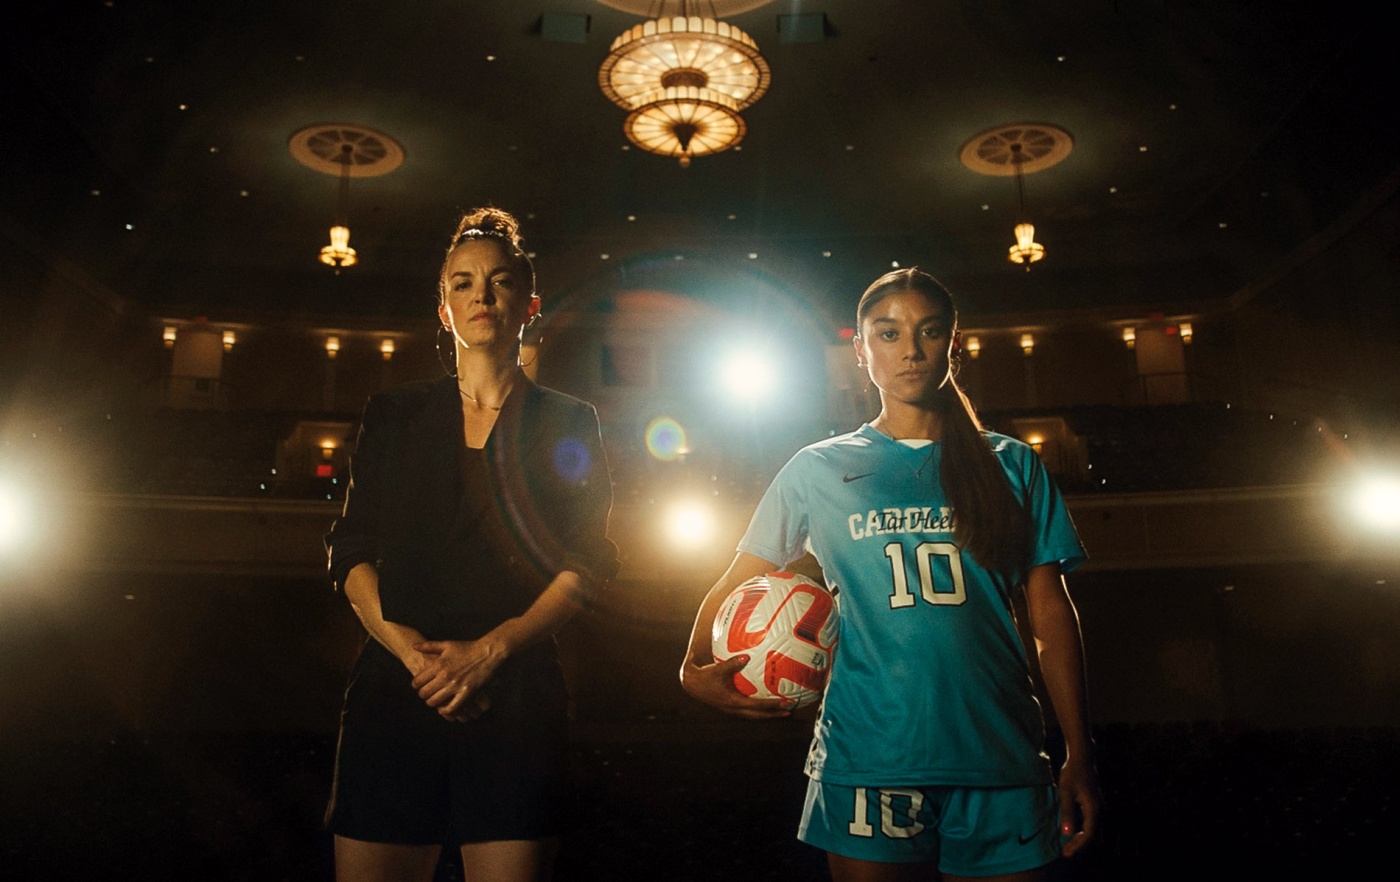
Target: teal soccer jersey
x,y
930,683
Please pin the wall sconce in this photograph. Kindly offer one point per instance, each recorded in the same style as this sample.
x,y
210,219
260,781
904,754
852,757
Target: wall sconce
x,y
327,449
973,346
1027,343
168,335
1129,337
1036,442
229,340
1185,329
332,346
386,346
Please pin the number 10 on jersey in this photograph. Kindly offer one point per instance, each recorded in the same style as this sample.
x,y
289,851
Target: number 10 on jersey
x,y
929,589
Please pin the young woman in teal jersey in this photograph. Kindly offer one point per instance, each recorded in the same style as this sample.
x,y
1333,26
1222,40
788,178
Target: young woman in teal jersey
x,y
932,820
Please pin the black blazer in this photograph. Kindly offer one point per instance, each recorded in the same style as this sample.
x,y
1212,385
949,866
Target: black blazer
x,y
406,513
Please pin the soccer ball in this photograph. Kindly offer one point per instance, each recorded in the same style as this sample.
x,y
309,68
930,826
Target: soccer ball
x,y
786,624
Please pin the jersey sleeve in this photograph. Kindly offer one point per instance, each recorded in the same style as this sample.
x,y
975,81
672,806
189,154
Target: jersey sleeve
x,y
1053,536
778,530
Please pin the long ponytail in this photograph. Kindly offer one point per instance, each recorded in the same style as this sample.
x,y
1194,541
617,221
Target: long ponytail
x,y
988,520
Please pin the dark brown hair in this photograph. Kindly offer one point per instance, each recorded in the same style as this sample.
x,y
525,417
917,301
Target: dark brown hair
x,y
493,224
988,520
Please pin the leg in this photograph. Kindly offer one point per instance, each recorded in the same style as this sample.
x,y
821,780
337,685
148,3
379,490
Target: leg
x,y
359,861
847,869
512,860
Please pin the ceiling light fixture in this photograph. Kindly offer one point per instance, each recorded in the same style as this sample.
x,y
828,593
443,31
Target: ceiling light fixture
x,y
346,151
1026,250
683,79
1018,149
339,253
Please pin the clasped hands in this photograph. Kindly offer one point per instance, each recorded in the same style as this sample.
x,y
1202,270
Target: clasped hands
x,y
454,675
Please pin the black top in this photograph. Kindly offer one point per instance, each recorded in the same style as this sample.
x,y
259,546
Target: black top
x,y
466,538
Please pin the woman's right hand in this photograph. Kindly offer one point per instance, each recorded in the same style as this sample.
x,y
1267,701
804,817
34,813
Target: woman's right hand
x,y
714,684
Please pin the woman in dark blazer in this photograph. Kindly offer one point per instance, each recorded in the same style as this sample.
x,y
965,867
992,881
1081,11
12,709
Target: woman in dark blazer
x,y
474,527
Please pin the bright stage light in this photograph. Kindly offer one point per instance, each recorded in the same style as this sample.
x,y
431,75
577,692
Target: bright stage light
x,y
15,517
748,375
690,524
1376,502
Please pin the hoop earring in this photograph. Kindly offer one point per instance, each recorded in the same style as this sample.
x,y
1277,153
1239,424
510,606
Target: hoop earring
x,y
450,370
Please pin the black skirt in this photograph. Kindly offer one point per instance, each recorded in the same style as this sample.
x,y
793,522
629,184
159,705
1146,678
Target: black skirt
x,y
406,775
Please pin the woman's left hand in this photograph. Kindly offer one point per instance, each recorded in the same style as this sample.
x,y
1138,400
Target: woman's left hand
x,y
455,675
1080,802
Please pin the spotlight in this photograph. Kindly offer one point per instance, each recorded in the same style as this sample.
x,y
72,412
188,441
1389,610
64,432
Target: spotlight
x,y
748,376
15,517
690,524
1376,502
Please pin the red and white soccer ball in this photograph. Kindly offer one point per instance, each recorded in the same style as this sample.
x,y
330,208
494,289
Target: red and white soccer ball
x,y
786,624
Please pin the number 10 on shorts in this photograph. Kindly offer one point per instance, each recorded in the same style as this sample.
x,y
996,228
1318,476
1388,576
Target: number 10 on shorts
x,y
860,818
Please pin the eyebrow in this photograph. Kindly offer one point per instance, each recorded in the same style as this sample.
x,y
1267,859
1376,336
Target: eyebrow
x,y
491,272
940,321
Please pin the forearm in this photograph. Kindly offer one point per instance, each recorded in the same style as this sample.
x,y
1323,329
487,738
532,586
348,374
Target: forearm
x,y
1060,648
362,590
560,601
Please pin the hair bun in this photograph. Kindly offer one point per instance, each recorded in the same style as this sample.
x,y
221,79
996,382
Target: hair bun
x,y
495,223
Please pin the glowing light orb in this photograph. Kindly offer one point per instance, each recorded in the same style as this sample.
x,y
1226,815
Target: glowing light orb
x,y
1377,503
14,520
665,439
690,524
748,375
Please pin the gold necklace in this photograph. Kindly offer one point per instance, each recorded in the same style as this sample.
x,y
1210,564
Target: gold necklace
x,y
475,400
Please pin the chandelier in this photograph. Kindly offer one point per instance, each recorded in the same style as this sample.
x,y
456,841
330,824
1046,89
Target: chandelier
x,y
339,253
1018,149
345,150
683,80
1026,250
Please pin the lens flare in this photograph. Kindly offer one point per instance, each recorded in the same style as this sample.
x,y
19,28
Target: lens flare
x,y
571,458
665,439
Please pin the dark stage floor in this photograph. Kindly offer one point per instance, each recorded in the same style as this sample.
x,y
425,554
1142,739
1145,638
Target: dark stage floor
x,y
662,803
160,729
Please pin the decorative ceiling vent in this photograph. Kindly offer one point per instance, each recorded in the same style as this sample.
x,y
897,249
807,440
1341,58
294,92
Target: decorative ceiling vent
x,y
1029,147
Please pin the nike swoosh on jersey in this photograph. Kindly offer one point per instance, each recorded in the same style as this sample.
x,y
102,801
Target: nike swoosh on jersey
x,y
846,479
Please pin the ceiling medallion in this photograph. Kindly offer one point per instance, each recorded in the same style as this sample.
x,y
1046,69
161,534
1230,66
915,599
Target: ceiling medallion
x,y
1023,148
330,148
683,80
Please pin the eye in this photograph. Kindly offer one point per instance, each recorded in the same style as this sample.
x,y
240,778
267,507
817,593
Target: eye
x,y
889,336
503,282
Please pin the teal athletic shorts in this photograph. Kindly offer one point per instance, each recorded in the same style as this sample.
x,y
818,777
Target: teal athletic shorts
x,y
965,831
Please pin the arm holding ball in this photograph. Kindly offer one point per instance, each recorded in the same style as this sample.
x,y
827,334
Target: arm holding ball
x,y
713,682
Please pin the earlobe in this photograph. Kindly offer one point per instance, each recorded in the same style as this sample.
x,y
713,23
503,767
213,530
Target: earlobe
x,y
534,305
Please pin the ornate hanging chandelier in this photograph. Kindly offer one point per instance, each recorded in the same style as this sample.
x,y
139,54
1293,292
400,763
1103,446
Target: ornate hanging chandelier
x,y
1018,149
345,150
683,80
